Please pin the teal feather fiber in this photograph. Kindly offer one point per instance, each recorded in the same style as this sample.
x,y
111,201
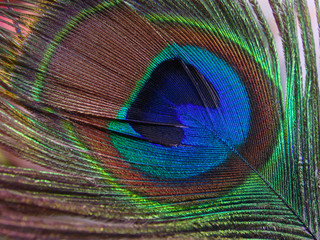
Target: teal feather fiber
x,y
162,119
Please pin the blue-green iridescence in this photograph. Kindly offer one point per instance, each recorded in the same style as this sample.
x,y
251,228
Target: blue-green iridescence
x,y
197,107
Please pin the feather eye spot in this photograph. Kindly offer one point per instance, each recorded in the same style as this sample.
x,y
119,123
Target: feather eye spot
x,y
184,86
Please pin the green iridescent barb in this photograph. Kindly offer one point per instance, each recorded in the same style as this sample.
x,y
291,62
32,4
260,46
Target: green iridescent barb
x,y
162,119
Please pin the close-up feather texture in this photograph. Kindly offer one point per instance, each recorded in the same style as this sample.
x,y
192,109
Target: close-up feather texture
x,y
159,119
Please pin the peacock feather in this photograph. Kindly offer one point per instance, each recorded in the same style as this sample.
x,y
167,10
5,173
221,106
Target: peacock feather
x,y
162,119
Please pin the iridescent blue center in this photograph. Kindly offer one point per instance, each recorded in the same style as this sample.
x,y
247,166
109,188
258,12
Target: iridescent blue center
x,y
170,85
190,112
